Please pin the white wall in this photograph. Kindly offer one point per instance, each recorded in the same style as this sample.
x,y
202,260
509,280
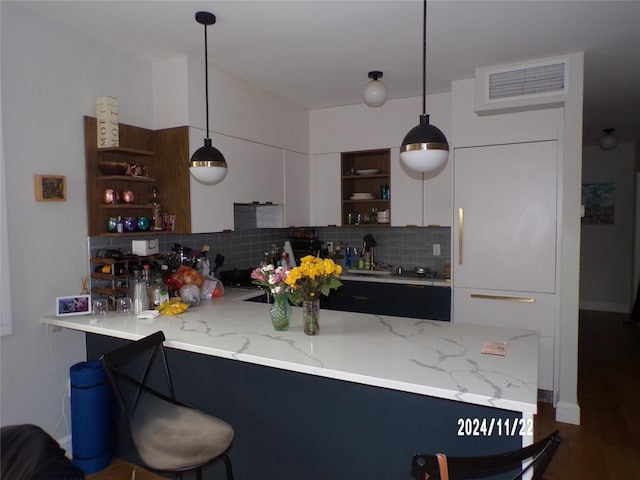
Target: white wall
x,y
50,78
606,258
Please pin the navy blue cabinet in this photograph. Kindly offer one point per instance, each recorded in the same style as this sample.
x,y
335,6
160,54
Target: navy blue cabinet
x,y
401,300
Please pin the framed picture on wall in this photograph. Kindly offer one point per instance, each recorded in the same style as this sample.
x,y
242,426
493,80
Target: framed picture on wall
x,y
599,203
51,188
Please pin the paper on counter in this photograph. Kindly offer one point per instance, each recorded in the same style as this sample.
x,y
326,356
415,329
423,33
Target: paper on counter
x,y
494,348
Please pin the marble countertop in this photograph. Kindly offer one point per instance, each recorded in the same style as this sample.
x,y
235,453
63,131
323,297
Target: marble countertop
x,y
438,359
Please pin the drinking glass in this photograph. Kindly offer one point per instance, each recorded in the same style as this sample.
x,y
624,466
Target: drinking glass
x,y
100,307
124,306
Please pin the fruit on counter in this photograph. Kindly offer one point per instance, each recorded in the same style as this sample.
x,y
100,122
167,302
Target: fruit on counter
x,y
218,291
188,276
173,307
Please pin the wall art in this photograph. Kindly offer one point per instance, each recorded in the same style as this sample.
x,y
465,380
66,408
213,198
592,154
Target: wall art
x,y
599,203
51,188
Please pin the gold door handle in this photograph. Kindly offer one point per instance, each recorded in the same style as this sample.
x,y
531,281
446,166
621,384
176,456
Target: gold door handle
x,y
504,297
460,229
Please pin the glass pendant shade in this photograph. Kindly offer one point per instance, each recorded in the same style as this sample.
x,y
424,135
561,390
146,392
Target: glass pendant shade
x,y
375,93
208,165
424,148
608,141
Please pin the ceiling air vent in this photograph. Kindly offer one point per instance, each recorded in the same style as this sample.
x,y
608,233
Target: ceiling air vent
x,y
526,86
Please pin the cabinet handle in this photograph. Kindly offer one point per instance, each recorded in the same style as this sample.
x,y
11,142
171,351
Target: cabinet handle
x,y
504,297
413,285
460,229
359,297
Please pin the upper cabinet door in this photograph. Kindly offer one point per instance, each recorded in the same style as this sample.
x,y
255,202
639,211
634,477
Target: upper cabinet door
x,y
255,174
505,199
325,189
296,189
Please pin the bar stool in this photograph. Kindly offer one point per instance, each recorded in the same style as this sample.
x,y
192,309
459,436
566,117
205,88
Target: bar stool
x,y
169,436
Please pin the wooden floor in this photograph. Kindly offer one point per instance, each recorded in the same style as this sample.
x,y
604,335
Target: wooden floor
x,y
606,445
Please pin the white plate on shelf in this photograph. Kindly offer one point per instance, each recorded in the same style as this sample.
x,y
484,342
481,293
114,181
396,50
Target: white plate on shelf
x,y
370,171
365,196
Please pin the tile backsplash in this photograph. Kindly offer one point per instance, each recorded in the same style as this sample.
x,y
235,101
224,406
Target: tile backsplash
x,y
406,246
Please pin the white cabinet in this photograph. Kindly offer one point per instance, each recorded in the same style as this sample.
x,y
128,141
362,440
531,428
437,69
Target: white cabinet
x,y
296,189
505,200
531,311
504,240
255,174
326,201
420,199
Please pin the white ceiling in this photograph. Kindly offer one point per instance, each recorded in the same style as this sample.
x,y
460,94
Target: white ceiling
x,y
318,52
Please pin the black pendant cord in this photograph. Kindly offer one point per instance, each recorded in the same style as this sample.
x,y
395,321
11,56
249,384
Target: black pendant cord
x,y
206,77
424,58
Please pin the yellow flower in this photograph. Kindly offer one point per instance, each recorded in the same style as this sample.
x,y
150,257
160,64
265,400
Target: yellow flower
x,y
313,277
329,266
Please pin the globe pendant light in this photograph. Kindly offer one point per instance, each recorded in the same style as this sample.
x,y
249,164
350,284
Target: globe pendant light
x,y
207,165
375,93
424,148
609,140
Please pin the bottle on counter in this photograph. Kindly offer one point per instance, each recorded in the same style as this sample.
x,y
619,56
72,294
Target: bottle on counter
x,y
159,292
347,257
139,294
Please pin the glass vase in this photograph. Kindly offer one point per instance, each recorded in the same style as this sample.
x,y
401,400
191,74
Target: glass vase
x,y
310,314
280,311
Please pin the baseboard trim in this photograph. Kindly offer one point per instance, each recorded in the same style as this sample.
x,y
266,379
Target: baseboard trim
x,y
65,444
605,307
568,413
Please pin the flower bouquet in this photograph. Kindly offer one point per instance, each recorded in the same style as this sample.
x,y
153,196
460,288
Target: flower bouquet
x,y
274,278
314,277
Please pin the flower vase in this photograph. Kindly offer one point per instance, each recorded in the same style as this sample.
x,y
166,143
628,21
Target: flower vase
x,y
280,311
310,314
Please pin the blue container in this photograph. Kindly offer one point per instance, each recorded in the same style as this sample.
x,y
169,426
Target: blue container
x,y
90,416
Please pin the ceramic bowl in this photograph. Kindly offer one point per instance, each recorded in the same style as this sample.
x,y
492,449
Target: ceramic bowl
x,y
113,168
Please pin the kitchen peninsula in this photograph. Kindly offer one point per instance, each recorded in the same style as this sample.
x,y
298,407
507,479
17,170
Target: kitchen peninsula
x,y
355,401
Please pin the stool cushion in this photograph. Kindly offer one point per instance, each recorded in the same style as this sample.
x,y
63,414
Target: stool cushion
x,y
174,437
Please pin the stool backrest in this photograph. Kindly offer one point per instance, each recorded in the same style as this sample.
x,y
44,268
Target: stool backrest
x,y
539,455
138,369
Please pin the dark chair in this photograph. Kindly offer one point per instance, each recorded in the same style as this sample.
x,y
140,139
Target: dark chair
x,y
441,467
27,452
169,436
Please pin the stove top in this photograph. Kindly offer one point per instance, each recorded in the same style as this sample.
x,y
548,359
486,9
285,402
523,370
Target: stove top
x,y
237,278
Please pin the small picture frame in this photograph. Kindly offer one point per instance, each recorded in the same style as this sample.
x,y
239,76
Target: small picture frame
x,y
73,305
51,188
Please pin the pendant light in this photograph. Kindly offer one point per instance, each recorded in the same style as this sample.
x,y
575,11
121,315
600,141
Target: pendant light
x,y
207,165
609,140
375,93
424,148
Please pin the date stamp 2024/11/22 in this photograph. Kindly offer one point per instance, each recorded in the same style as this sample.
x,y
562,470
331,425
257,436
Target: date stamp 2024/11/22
x,y
488,427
